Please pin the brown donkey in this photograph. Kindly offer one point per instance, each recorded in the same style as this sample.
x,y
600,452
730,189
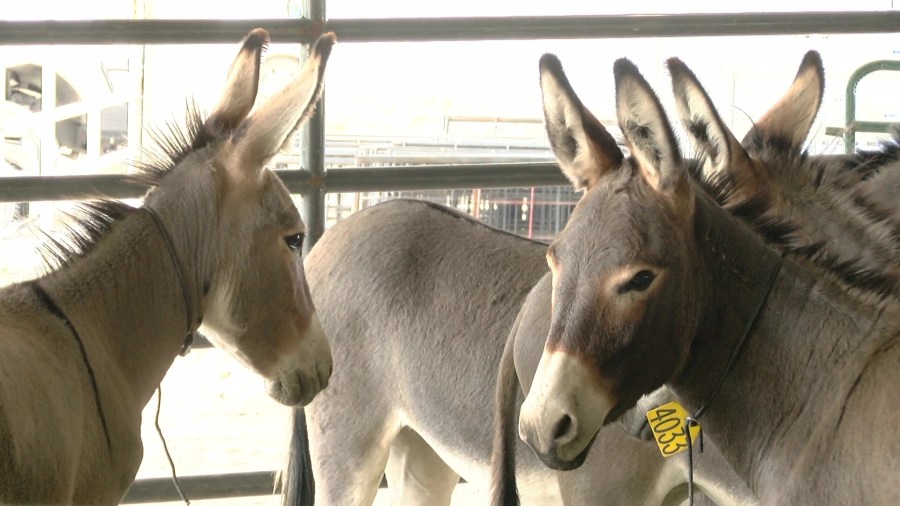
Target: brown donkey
x,y
83,348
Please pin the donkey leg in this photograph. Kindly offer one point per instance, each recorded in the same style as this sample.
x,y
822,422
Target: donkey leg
x,y
416,474
348,465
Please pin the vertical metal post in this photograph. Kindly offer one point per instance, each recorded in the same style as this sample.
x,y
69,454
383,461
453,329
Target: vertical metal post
x,y
313,208
312,211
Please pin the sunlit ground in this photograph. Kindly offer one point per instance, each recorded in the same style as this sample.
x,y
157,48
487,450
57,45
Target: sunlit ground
x,y
217,418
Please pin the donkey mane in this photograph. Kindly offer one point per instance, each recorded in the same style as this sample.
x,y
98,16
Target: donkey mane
x,y
871,163
173,142
754,211
87,223
799,171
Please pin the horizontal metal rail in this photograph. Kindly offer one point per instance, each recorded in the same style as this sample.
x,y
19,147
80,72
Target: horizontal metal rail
x,y
213,486
202,487
152,31
362,179
182,31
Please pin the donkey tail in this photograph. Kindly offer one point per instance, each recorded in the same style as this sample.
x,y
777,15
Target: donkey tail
x,y
297,485
503,458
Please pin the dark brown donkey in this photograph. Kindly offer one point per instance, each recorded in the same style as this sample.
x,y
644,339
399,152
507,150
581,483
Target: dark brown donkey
x,y
655,284
773,169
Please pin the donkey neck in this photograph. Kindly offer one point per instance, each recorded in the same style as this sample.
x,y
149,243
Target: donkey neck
x,y
125,299
739,267
802,349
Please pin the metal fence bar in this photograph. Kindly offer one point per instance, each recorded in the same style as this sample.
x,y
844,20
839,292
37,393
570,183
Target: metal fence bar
x,y
214,486
211,486
446,177
182,31
852,126
313,208
38,188
360,179
628,26
152,31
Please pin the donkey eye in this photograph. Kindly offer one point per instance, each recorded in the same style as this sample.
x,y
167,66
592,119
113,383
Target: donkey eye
x,y
639,282
295,242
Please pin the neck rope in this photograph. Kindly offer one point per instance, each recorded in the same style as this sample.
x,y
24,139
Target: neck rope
x,y
691,420
179,273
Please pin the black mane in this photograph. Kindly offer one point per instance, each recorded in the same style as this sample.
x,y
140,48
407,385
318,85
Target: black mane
x,y
818,175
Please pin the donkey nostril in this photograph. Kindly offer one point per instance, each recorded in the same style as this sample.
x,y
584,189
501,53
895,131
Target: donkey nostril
x,y
563,428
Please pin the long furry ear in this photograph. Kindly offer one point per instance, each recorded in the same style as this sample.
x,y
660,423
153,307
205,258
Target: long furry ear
x,y
790,119
643,121
243,83
584,148
262,134
703,124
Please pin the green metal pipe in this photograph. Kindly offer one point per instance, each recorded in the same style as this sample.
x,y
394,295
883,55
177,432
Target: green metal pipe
x,y
181,31
851,126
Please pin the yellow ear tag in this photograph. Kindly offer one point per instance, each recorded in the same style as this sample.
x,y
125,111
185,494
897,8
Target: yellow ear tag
x,y
667,424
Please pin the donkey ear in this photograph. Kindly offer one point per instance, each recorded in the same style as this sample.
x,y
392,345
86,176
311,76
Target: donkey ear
x,y
644,124
584,148
243,83
704,125
791,118
265,132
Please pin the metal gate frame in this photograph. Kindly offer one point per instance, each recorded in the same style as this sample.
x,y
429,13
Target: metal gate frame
x,y
313,181
852,126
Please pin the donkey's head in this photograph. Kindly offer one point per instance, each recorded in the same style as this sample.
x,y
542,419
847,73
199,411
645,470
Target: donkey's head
x,y
254,298
623,269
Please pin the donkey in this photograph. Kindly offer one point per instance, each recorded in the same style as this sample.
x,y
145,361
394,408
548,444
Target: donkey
x,y
83,347
794,370
798,203
755,175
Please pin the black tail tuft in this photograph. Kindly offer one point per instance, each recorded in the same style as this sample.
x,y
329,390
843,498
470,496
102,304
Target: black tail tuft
x,y
503,459
297,485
